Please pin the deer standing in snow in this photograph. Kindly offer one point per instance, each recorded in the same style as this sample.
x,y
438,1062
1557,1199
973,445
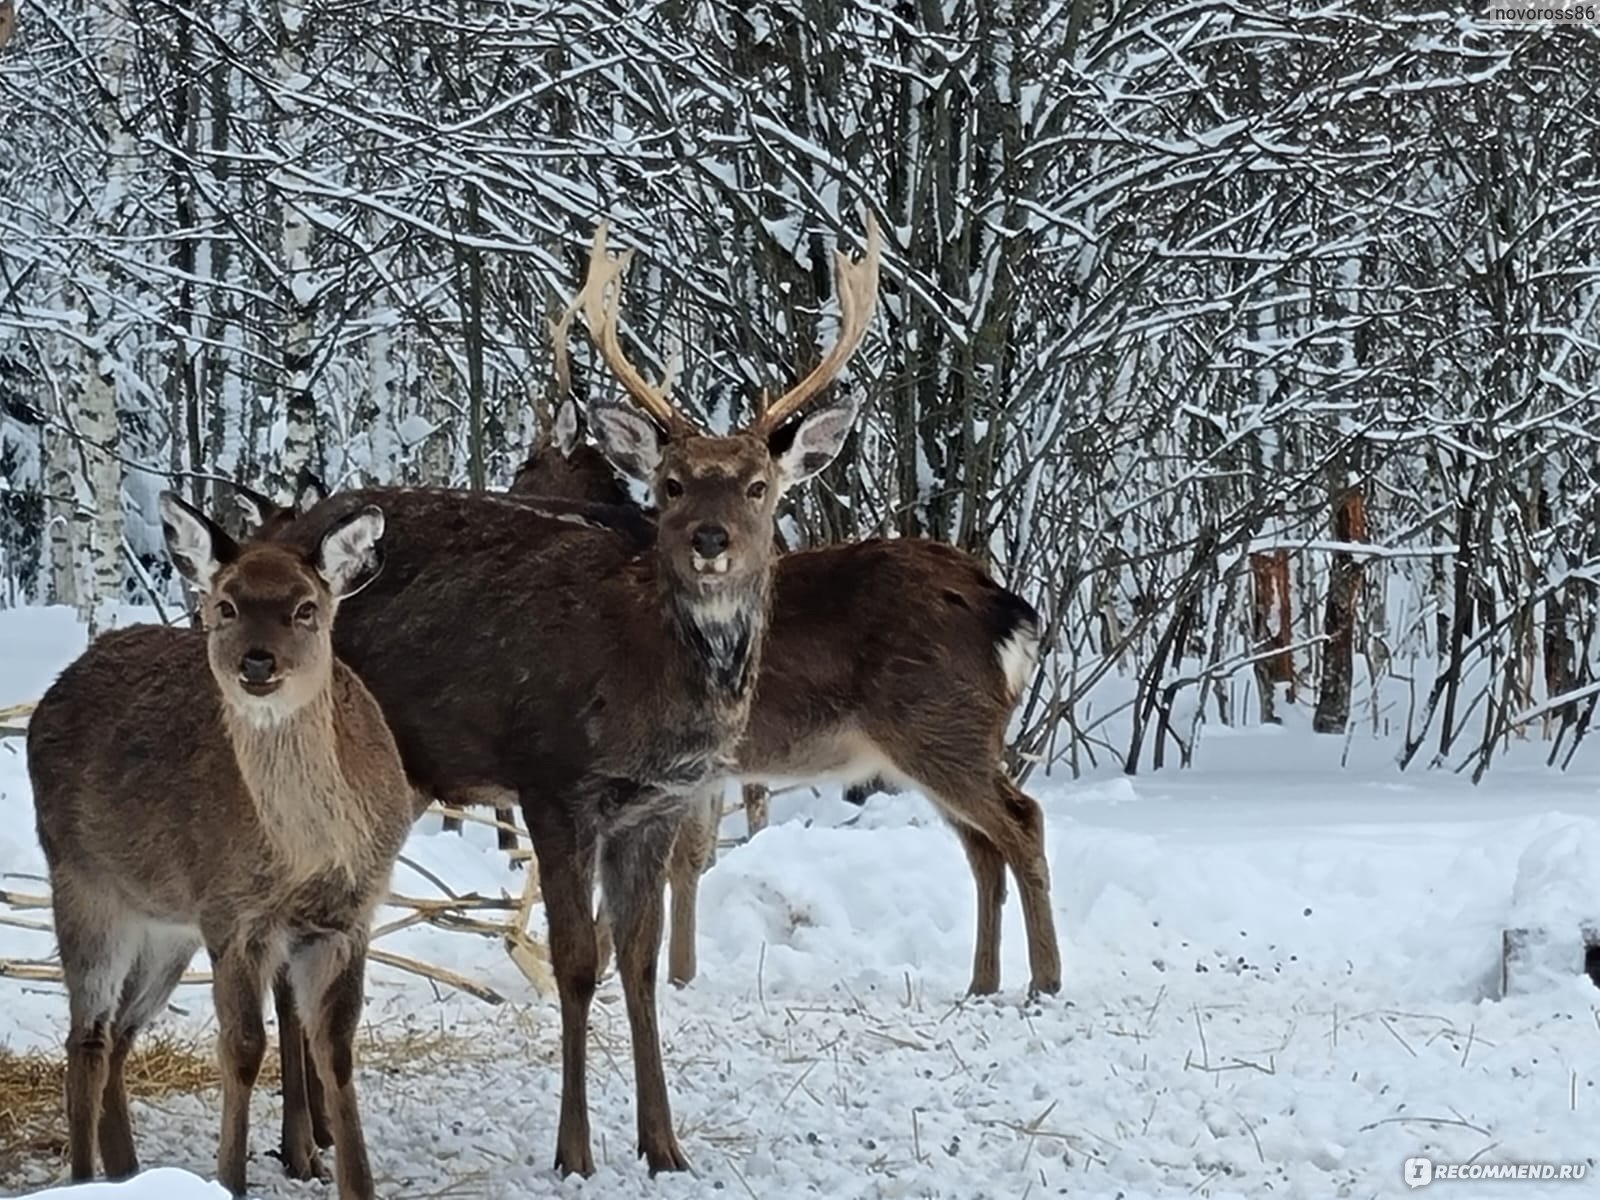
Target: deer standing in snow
x,y
235,789
601,679
887,660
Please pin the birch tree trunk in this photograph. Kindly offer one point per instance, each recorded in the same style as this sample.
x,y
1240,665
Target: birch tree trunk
x,y
61,489
99,516
300,284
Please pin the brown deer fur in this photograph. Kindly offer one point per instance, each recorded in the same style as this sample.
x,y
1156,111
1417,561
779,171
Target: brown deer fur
x,y
896,660
598,684
236,789
602,678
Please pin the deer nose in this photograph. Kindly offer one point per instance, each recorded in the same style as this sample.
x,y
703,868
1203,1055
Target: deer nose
x,y
710,541
257,666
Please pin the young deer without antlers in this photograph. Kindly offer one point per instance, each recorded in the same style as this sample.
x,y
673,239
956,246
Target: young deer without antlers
x,y
236,789
602,683
895,660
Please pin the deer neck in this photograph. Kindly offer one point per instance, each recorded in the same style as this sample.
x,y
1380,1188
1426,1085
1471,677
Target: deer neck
x,y
721,633
290,766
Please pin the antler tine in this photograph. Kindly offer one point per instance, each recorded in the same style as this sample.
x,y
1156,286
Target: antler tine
x,y
600,312
558,350
858,299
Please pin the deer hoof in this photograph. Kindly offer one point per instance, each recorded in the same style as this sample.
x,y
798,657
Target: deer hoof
x,y
576,1163
666,1157
305,1166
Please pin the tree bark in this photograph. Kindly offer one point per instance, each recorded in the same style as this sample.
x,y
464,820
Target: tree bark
x,y
99,515
300,287
1344,590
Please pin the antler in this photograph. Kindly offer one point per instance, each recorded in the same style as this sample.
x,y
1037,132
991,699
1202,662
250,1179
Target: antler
x,y
601,303
558,349
858,298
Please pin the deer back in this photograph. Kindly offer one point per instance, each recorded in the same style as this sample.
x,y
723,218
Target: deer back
x,y
506,644
908,626
905,635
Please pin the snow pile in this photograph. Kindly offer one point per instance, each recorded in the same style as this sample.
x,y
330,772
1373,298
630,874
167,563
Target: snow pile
x,y
1555,904
1558,878
164,1183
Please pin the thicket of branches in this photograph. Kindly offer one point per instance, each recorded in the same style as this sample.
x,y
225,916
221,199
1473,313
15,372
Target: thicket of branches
x,y
1258,349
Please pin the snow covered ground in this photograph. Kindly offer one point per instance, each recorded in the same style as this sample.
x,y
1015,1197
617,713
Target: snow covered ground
x,y
1282,980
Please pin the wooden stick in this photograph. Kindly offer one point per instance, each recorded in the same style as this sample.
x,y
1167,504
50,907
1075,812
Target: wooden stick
x,y
531,958
24,923
428,971
468,902
38,971
12,711
405,922
448,912
43,972
465,814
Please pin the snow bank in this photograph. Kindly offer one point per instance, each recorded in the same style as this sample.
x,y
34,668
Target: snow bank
x,y
163,1183
1558,878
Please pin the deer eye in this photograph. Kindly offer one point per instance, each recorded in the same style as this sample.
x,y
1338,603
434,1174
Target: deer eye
x,y
756,490
226,610
306,613
674,489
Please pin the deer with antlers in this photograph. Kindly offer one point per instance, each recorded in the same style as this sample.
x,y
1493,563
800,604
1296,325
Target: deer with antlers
x,y
236,789
601,678
887,662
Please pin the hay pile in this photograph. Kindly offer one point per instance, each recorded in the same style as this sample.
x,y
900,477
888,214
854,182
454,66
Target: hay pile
x,y
33,1123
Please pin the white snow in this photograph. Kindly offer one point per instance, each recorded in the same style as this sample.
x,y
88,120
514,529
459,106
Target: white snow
x,y
414,429
1281,981
162,1183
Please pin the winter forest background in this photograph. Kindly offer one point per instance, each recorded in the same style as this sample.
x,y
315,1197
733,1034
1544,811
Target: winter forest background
x,y
1258,349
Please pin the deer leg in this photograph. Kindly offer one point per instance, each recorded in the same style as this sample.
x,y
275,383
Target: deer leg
x,y
632,864
757,808
602,940
157,967
117,1154
297,1144
327,975
1024,854
986,802
98,955
238,980
88,1067
694,848
989,873
316,1097
566,879
506,837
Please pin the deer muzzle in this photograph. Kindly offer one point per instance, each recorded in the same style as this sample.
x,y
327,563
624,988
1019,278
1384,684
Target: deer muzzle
x,y
258,673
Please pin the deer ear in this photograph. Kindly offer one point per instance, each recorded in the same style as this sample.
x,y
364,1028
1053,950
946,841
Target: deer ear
x,y
803,448
629,439
197,544
350,555
568,428
309,491
254,505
